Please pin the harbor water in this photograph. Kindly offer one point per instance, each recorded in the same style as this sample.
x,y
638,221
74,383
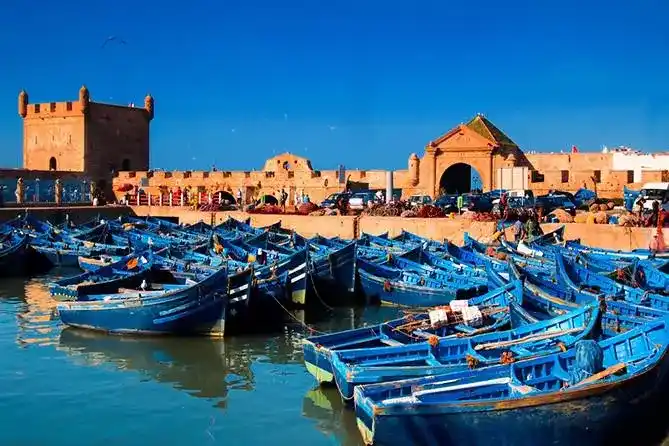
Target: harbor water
x,y
62,386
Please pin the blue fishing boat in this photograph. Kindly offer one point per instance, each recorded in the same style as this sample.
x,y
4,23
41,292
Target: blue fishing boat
x,y
192,307
58,254
571,274
96,262
427,244
550,299
407,330
295,264
640,254
650,277
445,272
582,396
398,287
128,272
13,254
367,366
448,264
332,272
521,252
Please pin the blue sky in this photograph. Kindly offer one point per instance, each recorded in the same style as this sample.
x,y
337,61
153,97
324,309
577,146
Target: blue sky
x,y
362,83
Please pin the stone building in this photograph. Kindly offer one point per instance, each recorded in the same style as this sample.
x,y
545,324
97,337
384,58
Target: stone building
x,y
94,139
445,167
100,142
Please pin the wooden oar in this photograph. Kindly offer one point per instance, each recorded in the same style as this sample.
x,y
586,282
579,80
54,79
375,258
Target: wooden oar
x,y
529,338
613,370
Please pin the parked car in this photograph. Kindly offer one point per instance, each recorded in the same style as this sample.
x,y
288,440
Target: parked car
x,y
494,195
419,200
551,202
331,201
360,200
654,192
447,203
476,203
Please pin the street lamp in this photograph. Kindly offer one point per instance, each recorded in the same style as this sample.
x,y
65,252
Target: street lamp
x,y
37,197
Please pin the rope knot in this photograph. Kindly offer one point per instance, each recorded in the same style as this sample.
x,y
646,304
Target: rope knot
x,y
507,358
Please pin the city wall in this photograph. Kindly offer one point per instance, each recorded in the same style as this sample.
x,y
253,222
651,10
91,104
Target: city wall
x,y
601,236
348,227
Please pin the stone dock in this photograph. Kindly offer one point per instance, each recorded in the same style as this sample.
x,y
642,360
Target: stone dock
x,y
349,227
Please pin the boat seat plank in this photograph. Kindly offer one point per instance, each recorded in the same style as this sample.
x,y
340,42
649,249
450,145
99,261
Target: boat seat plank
x,y
472,385
391,342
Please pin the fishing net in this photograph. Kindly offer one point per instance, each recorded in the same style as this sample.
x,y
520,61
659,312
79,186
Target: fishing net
x,y
307,208
588,360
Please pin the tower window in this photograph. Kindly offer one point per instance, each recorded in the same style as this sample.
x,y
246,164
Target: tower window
x,y
52,164
68,106
565,176
597,176
52,107
36,108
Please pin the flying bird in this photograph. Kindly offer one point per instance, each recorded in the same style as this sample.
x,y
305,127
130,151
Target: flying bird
x,y
113,39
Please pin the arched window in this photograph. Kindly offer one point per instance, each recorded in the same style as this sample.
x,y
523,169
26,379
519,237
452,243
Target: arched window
x,y
52,164
125,165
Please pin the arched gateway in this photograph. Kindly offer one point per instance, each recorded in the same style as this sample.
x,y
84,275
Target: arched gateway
x,y
449,159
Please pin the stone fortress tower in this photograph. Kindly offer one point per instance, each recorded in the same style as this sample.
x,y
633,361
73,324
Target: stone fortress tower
x,y
85,136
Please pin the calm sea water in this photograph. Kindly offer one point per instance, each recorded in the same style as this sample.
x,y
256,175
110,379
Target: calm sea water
x,y
61,386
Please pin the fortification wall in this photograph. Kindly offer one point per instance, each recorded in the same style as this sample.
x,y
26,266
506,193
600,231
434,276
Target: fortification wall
x,y
572,171
601,236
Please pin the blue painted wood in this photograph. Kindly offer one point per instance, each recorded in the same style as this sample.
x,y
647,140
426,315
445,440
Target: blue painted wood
x,y
129,272
318,349
536,401
367,366
197,307
13,254
399,287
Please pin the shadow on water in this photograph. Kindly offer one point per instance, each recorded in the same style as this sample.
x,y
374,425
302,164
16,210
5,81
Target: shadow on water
x,y
332,417
204,368
209,369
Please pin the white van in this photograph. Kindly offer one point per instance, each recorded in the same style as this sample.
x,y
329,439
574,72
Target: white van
x,y
654,192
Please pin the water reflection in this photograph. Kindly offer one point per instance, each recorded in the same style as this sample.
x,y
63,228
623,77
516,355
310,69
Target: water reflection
x,y
205,368
325,407
209,369
37,321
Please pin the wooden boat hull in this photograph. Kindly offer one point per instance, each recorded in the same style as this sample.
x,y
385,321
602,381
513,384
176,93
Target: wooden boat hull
x,y
599,416
103,280
14,258
359,367
333,275
599,413
317,350
198,309
63,257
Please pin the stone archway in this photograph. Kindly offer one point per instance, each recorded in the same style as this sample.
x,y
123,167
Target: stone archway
x,y
459,178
